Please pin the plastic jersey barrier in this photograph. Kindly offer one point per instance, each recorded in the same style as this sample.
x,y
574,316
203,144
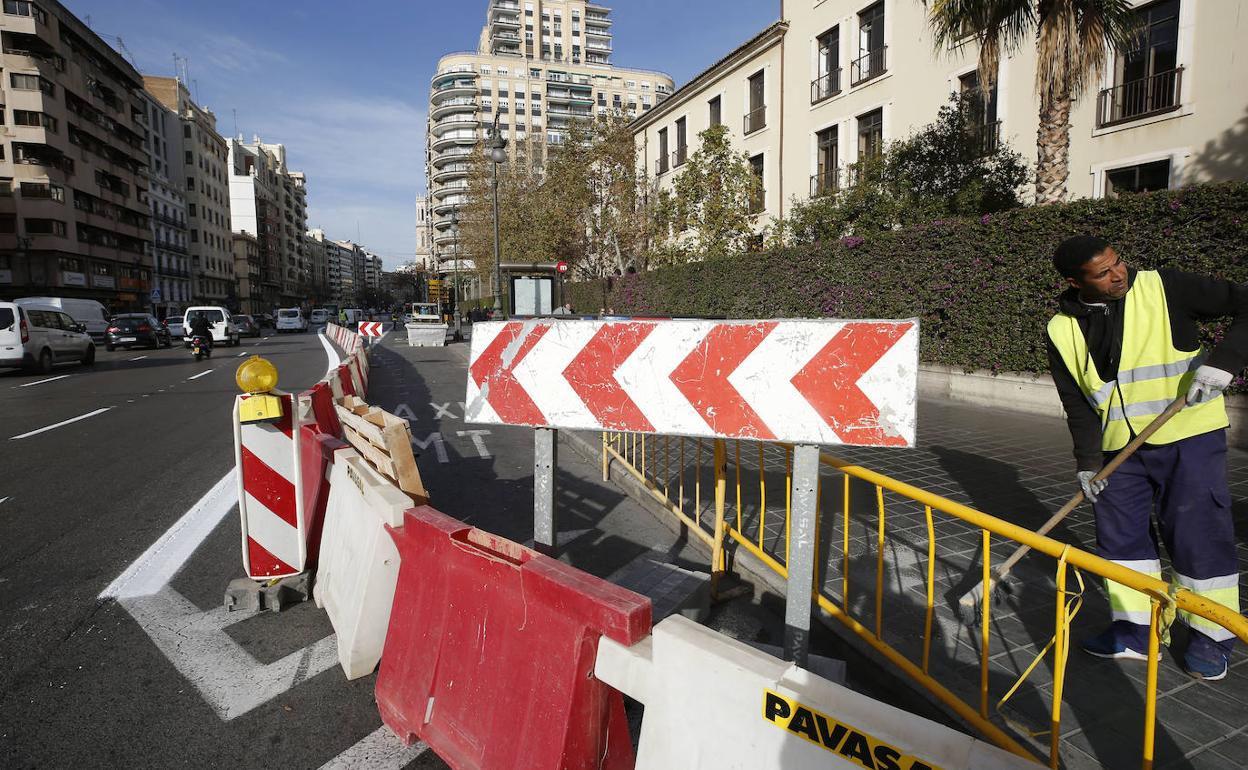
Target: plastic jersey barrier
x,y
316,458
359,563
490,652
715,703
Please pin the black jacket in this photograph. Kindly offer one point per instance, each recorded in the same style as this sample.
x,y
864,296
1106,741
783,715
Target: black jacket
x,y
201,326
1191,299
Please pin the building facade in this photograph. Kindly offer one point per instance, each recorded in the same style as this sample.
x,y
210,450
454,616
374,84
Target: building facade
x,y
539,65
203,171
424,234
247,266
838,79
170,257
268,200
74,211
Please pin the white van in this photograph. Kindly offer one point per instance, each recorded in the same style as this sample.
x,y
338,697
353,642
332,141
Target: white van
x,y
85,311
223,329
320,316
354,316
37,336
290,319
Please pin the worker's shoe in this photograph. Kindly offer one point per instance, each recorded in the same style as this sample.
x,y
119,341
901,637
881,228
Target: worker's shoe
x,y
1206,659
1123,640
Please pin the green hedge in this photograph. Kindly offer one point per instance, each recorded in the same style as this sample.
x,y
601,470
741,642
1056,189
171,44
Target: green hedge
x,y
984,288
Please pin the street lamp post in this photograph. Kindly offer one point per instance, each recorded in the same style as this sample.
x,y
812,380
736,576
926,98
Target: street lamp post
x,y
459,334
497,146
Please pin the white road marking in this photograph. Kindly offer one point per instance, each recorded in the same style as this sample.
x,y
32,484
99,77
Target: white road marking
x,y
160,562
201,374
227,676
330,353
40,382
379,750
59,424
240,355
4,500
139,358
477,441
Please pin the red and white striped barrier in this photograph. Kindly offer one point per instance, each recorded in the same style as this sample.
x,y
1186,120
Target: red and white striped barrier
x,y
269,494
805,381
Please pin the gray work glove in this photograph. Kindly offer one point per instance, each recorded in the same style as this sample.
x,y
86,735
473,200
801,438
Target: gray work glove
x,y
1091,488
1208,384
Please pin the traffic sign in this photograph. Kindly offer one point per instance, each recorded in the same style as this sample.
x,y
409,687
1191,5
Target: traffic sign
x,y
156,295
561,266
804,381
372,328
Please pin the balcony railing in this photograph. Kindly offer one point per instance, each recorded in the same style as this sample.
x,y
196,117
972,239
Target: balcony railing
x,y
660,165
680,156
1142,98
825,183
825,86
755,119
985,137
758,202
870,65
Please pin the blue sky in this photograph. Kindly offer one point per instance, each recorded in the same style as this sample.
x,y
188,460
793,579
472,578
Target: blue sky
x,y
344,85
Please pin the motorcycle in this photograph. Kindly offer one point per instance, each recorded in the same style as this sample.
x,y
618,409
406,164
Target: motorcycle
x,y
201,347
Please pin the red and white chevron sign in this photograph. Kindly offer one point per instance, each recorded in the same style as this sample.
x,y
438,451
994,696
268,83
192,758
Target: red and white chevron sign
x,y
809,382
371,328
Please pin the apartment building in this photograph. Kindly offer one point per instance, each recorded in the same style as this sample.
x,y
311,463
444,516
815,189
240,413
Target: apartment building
x,y
372,270
538,66
318,270
340,259
269,201
170,257
74,211
424,234
203,169
836,80
248,264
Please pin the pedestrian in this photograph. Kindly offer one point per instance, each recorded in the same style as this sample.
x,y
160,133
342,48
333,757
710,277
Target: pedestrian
x,y
1124,344
561,310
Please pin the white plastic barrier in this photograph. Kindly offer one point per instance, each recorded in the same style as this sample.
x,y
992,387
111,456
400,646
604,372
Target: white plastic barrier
x,y
426,335
715,703
359,562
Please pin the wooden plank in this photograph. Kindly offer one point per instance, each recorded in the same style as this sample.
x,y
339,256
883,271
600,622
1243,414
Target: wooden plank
x,y
365,428
399,443
376,457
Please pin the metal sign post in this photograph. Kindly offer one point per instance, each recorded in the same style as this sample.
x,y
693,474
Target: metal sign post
x,y
802,548
545,464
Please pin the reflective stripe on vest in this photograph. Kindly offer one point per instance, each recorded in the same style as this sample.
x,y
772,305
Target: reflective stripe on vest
x,y
1222,590
1152,373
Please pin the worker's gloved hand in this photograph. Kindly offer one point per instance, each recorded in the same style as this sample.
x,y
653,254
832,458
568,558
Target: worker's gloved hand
x,y
1208,384
1091,488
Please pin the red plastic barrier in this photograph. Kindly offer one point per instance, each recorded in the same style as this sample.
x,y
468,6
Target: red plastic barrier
x,y
344,379
322,399
316,454
489,657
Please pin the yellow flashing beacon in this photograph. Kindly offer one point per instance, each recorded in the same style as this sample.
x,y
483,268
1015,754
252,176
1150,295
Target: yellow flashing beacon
x,y
257,376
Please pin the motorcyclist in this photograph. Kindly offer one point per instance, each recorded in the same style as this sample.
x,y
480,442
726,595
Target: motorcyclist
x,y
202,327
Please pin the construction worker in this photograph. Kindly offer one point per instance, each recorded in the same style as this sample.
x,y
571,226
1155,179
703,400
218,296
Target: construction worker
x,y
1123,345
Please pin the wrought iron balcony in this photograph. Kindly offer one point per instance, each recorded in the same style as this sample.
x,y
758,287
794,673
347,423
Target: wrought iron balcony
x,y
755,119
869,66
825,86
1153,95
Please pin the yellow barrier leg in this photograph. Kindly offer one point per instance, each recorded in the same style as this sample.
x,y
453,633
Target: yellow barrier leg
x,y
1150,692
719,561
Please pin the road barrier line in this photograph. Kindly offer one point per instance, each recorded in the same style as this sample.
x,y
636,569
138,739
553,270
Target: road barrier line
x,y
61,423
161,561
139,358
40,382
240,355
379,750
201,374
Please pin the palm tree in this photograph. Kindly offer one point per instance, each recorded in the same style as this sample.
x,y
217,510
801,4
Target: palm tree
x,y
1072,40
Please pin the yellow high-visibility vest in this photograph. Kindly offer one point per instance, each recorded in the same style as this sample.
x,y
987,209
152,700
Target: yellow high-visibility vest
x,y
1151,372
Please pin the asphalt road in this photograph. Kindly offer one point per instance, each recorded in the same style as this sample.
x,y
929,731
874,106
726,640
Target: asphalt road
x,y
81,683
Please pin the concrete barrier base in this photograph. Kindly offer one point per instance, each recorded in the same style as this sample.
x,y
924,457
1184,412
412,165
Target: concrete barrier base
x,y
426,335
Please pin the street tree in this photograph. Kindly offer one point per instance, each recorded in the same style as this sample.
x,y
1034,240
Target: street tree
x,y
710,211
951,167
1072,39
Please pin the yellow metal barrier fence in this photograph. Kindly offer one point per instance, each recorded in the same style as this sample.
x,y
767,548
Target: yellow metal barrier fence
x,y
672,469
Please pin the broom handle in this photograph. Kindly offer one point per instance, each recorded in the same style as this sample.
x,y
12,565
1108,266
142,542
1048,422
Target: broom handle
x,y
1174,408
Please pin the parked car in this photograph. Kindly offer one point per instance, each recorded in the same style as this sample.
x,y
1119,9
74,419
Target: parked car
x,y
85,311
247,326
37,336
265,320
291,319
174,324
223,329
130,330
